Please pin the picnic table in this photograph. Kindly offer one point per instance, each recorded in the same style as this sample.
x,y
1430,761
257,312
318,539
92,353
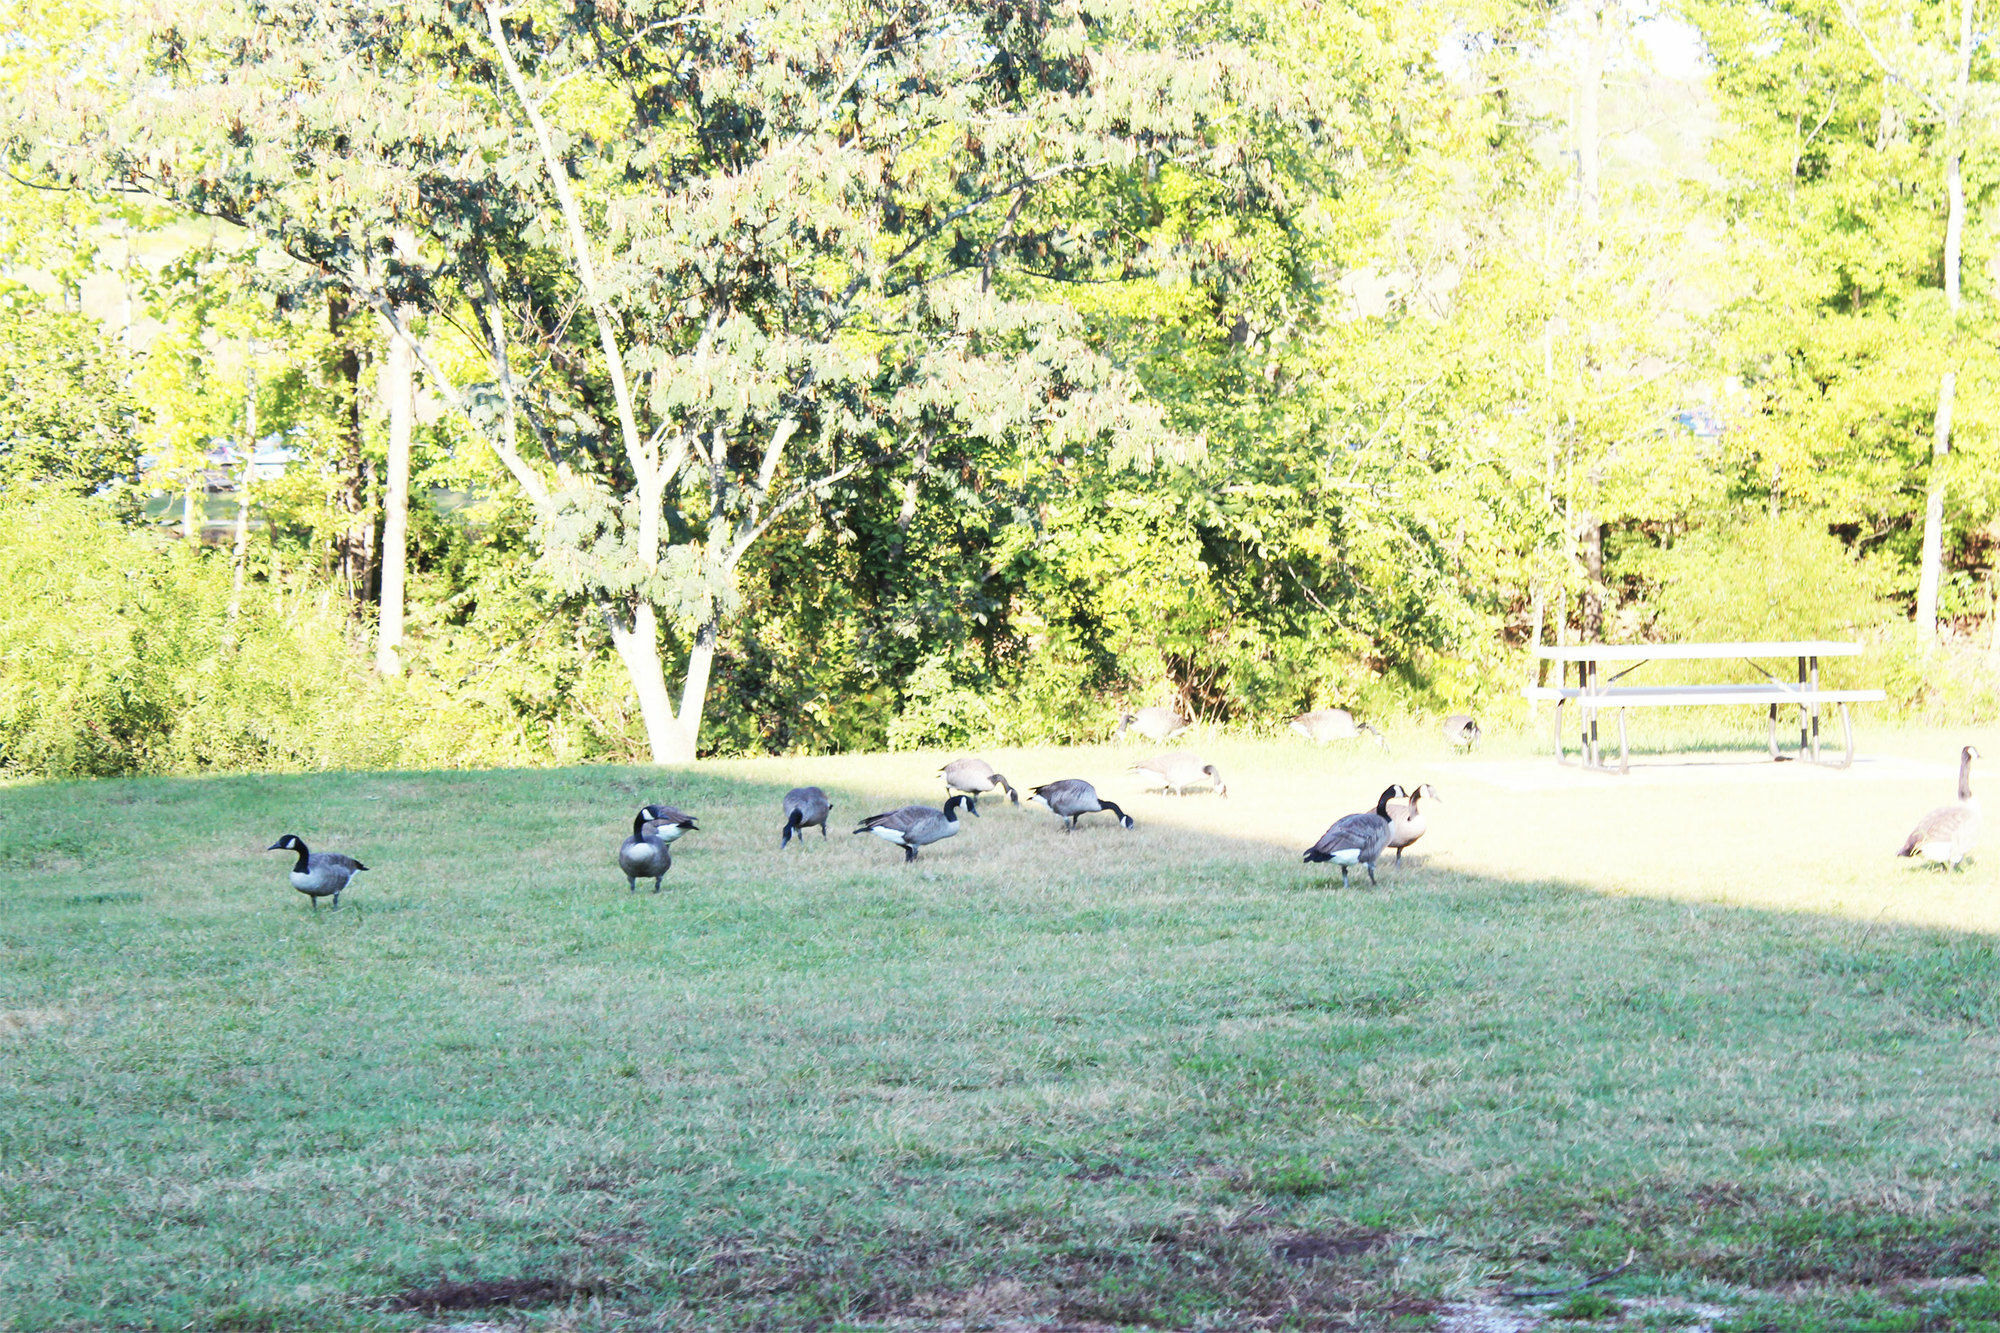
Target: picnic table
x,y
1594,692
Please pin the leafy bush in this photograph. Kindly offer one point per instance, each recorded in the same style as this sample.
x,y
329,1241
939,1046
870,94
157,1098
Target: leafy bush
x,y
1783,578
939,711
115,657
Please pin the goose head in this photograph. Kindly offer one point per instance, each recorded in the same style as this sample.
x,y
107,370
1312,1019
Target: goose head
x,y
289,843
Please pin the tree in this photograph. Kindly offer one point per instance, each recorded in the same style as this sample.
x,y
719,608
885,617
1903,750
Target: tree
x,y
715,258
1941,82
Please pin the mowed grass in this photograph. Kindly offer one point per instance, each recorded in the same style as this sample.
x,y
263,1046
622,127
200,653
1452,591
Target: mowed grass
x,y
1168,1077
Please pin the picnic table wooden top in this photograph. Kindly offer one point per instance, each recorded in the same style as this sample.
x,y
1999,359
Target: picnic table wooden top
x,y
1661,652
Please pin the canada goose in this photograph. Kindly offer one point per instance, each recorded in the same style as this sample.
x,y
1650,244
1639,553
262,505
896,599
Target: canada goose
x,y
318,874
1155,724
1462,729
916,826
973,776
1406,819
647,853
1947,833
1073,798
1357,839
1179,771
804,807
669,823
1333,724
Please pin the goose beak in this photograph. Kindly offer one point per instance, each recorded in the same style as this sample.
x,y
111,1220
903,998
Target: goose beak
x,y
277,846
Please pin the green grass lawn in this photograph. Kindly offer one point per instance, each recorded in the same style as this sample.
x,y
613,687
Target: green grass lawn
x,y
1168,1077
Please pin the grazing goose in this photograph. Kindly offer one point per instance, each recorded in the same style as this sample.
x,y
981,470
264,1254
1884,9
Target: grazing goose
x,y
1406,819
974,776
1333,724
1073,798
1155,724
1357,839
804,807
916,826
647,853
1177,772
1947,833
669,823
318,874
1462,730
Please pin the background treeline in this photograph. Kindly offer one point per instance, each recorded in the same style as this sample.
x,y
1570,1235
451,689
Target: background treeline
x,y
1329,372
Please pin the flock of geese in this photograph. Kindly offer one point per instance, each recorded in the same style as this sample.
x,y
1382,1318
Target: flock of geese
x,y
1946,835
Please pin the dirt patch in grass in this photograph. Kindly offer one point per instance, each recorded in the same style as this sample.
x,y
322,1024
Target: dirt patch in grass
x,y
487,1294
1307,1247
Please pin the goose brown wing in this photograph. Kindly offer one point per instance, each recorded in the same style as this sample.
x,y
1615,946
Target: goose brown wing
x,y
810,802
902,820
671,815
1947,823
1360,833
334,861
1069,796
968,775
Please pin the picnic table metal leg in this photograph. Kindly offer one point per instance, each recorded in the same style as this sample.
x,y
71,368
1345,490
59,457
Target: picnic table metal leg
x,y
1624,756
1804,709
1847,734
1774,732
1814,689
1596,751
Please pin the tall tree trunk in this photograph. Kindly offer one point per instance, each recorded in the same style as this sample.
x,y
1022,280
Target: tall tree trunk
x,y
1930,572
694,690
1589,91
399,388
1591,534
352,544
639,649
193,503
240,557
1931,566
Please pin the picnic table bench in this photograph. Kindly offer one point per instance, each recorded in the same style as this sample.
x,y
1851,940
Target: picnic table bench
x,y
1593,693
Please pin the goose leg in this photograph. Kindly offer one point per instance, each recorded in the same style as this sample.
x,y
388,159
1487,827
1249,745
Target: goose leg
x,y
1343,876
909,854
631,883
1371,872
656,882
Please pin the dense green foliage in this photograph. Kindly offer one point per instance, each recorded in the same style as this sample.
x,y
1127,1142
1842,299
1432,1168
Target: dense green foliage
x,y
1081,355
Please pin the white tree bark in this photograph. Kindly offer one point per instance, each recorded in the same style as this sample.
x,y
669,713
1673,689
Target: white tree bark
x,y
240,557
1930,570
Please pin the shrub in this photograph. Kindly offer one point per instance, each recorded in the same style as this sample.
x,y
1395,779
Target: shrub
x,y
1782,578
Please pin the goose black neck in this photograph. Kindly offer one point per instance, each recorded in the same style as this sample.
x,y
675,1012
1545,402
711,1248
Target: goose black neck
x,y
1382,806
1965,776
797,816
639,824
299,867
1111,806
